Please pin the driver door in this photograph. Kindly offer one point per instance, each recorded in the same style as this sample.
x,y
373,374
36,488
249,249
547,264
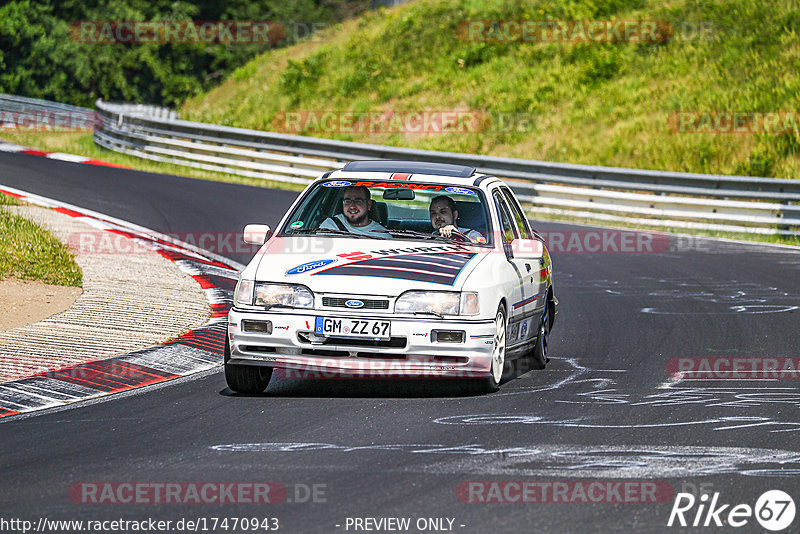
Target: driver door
x,y
519,309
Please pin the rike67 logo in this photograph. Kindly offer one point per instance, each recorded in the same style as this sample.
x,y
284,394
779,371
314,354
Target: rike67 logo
x,y
774,510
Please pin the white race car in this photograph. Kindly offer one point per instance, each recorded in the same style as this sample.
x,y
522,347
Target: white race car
x,y
393,269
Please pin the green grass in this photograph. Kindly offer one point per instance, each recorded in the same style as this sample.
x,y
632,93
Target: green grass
x,y
29,252
590,103
7,200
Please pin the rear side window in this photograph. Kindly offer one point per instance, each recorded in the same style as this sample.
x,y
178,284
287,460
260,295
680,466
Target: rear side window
x,y
508,227
519,216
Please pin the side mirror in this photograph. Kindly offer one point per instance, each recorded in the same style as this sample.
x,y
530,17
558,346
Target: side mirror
x,y
256,234
528,249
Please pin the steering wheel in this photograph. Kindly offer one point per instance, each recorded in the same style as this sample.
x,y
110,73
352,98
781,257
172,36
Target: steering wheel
x,y
458,236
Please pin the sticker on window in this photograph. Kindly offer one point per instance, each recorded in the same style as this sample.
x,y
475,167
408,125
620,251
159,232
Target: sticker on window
x,y
295,225
460,191
401,185
340,183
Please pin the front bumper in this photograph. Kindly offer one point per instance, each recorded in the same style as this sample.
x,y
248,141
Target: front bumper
x,y
411,352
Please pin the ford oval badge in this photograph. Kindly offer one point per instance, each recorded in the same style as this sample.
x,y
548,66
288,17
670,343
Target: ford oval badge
x,y
354,304
310,266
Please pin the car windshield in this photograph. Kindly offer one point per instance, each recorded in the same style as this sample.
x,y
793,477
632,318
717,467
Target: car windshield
x,y
392,210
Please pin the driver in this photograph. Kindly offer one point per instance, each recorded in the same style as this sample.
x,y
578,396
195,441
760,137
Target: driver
x,y
444,216
354,218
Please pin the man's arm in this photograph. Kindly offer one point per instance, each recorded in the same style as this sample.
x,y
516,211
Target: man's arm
x,y
472,235
447,231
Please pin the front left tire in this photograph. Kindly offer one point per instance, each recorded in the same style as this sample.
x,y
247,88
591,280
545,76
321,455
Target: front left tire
x,y
539,355
498,362
245,378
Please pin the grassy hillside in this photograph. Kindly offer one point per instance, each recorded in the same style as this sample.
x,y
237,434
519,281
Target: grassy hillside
x,y
578,102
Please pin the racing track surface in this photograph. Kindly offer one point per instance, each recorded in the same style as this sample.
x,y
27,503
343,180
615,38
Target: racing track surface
x,y
605,408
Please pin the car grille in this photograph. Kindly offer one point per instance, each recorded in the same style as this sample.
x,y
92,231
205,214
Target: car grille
x,y
369,304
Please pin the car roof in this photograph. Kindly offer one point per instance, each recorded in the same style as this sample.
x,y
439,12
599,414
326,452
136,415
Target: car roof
x,y
383,170
410,167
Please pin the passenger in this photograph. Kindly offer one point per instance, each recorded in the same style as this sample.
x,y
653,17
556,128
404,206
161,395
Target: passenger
x,y
354,218
444,216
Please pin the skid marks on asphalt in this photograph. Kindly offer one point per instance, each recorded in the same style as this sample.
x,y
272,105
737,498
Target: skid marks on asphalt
x,y
605,389
678,296
545,460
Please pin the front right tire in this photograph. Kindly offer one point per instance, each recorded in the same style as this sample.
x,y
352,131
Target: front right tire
x,y
245,378
498,362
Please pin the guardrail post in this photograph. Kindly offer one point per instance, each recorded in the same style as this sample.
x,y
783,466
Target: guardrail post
x,y
782,214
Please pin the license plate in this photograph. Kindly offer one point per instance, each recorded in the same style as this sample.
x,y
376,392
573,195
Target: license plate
x,y
329,326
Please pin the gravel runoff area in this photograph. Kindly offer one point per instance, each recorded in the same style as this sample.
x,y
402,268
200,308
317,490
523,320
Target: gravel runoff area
x,y
29,301
130,301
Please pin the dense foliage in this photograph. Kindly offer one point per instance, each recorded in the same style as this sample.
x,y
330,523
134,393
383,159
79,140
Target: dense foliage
x,y
40,58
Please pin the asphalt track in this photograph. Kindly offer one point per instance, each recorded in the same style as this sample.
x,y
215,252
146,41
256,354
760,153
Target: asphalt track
x,y
604,410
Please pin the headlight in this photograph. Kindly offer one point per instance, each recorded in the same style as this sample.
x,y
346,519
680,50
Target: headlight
x,y
438,302
244,292
283,295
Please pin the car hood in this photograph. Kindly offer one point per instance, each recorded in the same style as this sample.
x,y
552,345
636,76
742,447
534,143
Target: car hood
x,y
365,266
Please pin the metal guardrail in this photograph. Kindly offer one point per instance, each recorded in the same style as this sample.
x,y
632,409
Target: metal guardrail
x,y
641,197
146,110
21,104
20,113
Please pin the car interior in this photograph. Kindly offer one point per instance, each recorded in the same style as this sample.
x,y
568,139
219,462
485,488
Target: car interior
x,y
394,214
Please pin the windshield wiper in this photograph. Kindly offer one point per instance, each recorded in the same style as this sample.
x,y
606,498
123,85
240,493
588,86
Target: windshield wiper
x,y
414,233
313,231
302,231
422,235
